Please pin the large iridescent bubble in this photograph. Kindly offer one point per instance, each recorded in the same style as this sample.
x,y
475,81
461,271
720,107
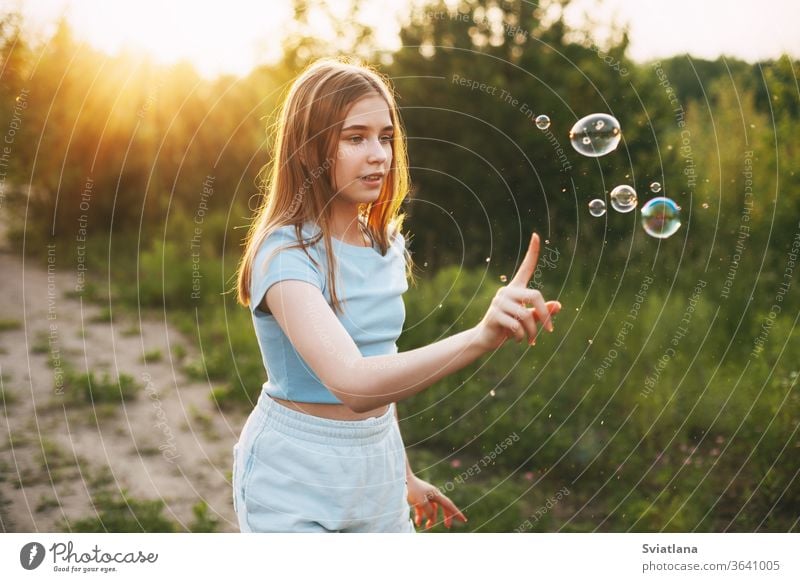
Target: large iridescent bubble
x,y
595,135
661,217
623,198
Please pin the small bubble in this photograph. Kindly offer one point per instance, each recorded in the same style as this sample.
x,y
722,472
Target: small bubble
x,y
597,207
705,205
503,278
590,342
547,241
440,306
425,264
542,122
623,198
492,392
549,416
595,135
488,259
655,187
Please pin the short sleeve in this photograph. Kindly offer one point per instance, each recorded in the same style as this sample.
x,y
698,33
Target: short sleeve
x,y
273,263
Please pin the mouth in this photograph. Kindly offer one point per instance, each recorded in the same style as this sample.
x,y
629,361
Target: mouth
x,y
373,179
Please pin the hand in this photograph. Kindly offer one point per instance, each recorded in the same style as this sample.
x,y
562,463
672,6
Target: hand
x,y
509,315
426,500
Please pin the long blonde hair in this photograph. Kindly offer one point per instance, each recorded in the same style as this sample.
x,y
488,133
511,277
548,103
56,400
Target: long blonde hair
x,y
299,184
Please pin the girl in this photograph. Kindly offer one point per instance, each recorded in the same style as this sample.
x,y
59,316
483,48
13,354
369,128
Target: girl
x,y
323,273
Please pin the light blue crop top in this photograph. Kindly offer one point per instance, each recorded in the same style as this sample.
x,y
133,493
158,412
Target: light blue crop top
x,y
370,288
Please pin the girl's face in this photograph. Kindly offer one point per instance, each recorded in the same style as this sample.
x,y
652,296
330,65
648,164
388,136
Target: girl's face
x,y
364,152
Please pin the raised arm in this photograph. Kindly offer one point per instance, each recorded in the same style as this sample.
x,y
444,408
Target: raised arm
x,y
364,383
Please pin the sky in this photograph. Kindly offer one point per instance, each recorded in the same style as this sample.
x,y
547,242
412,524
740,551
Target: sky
x,y
233,36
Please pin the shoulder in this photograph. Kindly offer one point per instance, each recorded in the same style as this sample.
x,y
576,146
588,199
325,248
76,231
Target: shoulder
x,y
283,249
280,257
285,238
396,238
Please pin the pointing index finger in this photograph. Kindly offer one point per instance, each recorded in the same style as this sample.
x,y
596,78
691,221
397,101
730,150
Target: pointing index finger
x,y
528,266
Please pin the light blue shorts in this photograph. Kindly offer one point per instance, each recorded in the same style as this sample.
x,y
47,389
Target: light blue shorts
x,y
294,472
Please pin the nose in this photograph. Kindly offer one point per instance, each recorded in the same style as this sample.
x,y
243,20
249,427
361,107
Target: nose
x,y
377,152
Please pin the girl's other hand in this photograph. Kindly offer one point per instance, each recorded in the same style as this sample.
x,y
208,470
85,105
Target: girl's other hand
x,y
509,314
426,501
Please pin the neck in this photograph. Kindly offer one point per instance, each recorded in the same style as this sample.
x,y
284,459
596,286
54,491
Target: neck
x,y
344,224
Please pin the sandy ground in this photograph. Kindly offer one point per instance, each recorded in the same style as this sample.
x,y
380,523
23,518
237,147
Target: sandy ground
x,y
171,442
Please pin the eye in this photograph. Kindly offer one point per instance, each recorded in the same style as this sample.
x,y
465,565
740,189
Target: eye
x,y
387,138
354,139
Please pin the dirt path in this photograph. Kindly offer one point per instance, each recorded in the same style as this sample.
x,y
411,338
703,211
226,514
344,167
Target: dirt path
x,y
170,442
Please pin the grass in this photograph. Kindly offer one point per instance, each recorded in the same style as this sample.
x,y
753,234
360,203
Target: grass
x,y
152,356
204,422
46,503
53,463
179,351
7,396
9,324
41,343
90,388
132,330
119,512
103,316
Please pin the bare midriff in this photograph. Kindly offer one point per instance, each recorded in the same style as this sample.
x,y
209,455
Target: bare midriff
x,y
331,411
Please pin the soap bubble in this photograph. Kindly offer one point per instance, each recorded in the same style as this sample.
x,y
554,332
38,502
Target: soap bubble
x,y
503,278
655,187
597,207
595,135
661,217
623,198
542,122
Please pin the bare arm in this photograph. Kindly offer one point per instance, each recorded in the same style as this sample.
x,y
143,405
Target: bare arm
x,y
364,383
